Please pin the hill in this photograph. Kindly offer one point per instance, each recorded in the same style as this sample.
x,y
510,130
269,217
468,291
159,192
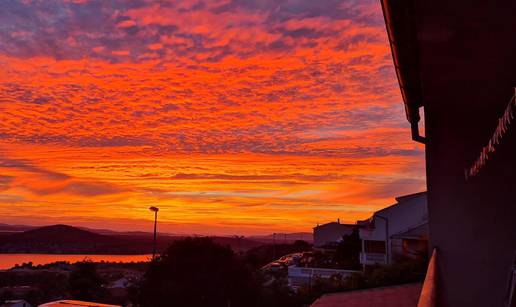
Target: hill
x,y
58,234
64,239
54,239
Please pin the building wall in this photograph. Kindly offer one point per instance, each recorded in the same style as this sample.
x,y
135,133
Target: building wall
x,y
473,226
467,81
402,216
408,248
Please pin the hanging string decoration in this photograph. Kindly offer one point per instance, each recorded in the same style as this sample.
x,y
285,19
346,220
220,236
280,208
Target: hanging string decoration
x,y
504,123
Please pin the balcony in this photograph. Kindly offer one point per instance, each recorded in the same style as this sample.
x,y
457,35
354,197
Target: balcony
x,y
372,258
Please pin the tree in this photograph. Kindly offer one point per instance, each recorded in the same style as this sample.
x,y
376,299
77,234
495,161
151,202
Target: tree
x,y
347,254
198,272
84,283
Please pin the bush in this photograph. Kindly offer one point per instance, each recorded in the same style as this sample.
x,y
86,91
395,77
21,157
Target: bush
x,y
197,272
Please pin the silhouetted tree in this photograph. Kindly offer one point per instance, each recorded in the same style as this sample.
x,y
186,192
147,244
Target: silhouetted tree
x,y
347,255
301,246
198,272
84,283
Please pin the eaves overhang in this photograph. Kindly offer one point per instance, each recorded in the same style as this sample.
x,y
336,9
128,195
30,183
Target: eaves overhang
x,y
401,29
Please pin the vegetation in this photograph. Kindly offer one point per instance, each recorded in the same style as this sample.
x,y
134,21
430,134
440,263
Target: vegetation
x,y
198,272
85,283
201,272
347,255
37,287
405,271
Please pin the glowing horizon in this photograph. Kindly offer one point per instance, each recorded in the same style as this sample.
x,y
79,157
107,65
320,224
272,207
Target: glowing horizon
x,y
233,117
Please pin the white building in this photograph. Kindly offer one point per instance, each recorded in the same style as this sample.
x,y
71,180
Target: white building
x,y
331,233
398,230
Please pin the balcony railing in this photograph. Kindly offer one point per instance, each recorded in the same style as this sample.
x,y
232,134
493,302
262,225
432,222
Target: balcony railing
x,y
428,297
298,276
372,258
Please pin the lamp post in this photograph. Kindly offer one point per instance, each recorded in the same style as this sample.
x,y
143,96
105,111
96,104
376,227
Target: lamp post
x,y
274,246
386,237
155,210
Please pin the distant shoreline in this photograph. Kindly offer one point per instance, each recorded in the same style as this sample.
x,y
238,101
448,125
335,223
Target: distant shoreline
x,y
10,260
71,253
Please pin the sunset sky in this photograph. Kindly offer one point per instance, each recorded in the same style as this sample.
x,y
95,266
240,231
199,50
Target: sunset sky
x,y
232,116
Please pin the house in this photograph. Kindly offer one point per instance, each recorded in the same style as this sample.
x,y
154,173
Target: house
x,y
396,231
16,303
457,62
410,243
330,234
72,303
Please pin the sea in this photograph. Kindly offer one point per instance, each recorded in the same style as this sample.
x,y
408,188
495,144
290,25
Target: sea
x,y
8,261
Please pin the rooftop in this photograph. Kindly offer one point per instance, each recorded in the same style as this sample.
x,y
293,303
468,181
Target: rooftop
x,y
395,296
336,223
403,200
416,232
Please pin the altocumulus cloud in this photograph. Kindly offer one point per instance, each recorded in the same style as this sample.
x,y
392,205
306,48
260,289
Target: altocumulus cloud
x,y
219,100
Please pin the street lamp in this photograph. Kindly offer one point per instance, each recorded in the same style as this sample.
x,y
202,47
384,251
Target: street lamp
x,y
155,210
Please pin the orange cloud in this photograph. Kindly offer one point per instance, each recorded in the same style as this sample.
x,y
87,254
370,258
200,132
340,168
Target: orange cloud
x,y
233,117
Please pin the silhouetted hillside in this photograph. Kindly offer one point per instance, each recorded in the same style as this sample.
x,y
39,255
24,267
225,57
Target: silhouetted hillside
x,y
58,234
55,239
64,239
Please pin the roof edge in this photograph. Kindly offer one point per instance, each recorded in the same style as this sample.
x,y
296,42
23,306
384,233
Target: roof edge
x,y
409,196
400,26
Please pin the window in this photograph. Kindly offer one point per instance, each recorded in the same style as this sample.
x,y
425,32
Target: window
x,y
376,247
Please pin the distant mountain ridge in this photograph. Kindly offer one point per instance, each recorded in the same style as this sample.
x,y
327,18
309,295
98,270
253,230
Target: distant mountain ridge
x,y
56,239
284,237
290,237
60,234
21,228
15,228
65,239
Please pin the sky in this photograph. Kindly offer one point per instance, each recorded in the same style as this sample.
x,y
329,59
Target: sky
x,y
232,116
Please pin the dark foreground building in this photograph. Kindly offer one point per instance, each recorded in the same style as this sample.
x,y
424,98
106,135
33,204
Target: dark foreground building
x,y
456,60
